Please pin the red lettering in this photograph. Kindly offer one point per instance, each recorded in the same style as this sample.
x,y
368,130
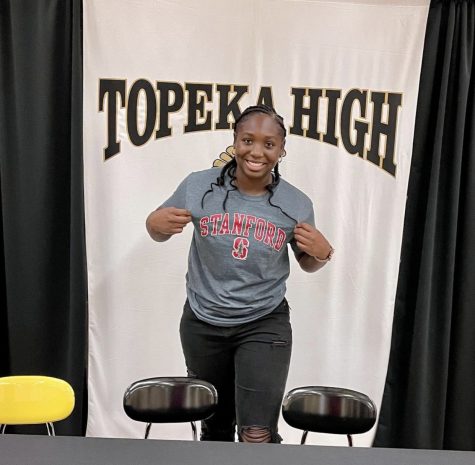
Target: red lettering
x,y
280,240
260,228
204,226
250,220
269,234
237,226
240,248
214,219
224,229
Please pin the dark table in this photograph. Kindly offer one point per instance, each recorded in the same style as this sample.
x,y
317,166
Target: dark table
x,y
64,450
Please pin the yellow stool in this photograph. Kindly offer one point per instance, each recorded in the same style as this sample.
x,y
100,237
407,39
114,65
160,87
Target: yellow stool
x,y
31,400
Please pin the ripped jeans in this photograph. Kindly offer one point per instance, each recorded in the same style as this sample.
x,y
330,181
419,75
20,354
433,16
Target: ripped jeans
x,y
248,364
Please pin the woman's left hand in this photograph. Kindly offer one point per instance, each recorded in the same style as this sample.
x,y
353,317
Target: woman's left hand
x,y
311,241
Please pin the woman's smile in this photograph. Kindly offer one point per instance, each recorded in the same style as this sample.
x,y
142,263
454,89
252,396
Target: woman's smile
x,y
255,165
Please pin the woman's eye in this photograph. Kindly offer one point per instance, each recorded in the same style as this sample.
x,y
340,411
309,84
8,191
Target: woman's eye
x,y
247,141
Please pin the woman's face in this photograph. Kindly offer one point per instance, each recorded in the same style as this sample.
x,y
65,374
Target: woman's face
x,y
258,144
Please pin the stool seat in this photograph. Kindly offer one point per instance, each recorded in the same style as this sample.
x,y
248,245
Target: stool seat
x,y
31,399
325,409
170,400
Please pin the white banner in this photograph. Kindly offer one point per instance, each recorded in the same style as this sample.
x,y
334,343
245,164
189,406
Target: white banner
x,y
161,83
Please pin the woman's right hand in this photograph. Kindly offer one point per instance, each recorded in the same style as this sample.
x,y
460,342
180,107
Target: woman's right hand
x,y
165,222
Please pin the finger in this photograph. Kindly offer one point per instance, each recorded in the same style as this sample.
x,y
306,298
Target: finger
x,y
176,230
180,220
176,226
180,211
305,235
305,227
303,247
304,241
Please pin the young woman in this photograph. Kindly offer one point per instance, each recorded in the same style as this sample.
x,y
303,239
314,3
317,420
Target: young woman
x,y
235,329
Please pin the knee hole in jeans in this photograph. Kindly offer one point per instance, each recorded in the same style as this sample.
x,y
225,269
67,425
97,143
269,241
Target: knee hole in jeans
x,y
255,434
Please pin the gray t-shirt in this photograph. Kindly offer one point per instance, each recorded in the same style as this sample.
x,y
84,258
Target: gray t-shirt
x,y
238,261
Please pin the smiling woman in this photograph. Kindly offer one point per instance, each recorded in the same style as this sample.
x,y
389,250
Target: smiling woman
x,y
258,144
235,325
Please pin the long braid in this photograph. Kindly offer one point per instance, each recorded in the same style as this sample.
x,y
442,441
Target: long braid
x,y
230,167
270,187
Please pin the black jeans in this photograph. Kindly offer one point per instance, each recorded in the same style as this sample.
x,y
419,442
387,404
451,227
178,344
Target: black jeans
x,y
248,364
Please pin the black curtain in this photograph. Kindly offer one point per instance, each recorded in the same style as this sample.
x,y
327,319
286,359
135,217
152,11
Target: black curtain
x,y
43,316
429,398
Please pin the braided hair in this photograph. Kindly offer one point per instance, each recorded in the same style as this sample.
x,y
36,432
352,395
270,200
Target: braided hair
x,y
230,167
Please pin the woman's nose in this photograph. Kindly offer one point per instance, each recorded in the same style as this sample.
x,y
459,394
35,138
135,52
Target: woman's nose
x,y
257,150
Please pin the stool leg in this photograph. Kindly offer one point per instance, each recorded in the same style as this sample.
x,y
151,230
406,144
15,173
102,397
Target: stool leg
x,y
147,430
3,429
350,440
193,428
304,437
50,428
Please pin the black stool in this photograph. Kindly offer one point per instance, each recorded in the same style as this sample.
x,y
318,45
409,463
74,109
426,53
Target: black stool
x,y
324,409
170,400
